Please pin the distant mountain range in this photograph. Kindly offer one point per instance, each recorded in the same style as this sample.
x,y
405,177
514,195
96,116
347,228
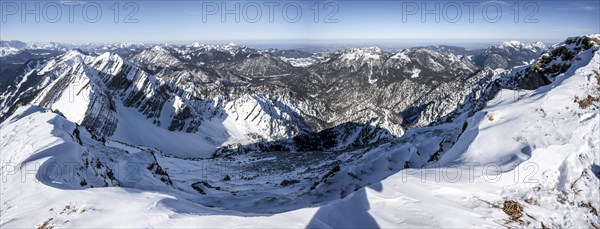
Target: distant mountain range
x,y
340,100
236,131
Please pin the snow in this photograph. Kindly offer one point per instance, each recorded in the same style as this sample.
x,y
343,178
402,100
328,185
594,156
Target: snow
x,y
48,45
128,148
415,73
512,43
7,51
134,129
300,62
231,48
401,56
365,54
244,119
73,102
519,45
538,148
372,81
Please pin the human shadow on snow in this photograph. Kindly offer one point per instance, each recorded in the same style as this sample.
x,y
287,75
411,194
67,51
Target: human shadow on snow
x,y
350,212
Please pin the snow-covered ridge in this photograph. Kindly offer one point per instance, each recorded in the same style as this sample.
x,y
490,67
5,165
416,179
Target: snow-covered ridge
x,y
354,54
508,54
231,48
7,51
467,173
167,72
113,97
519,45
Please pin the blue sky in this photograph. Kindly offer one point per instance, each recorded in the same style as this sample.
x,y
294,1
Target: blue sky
x,y
186,21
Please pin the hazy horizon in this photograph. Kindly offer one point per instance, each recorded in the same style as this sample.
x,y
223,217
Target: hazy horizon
x,y
322,44
357,20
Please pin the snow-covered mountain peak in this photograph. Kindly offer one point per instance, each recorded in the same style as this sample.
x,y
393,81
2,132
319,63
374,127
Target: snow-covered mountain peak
x,y
235,49
553,62
75,57
109,62
7,51
508,54
363,50
511,43
579,42
231,47
13,44
198,45
109,56
71,58
538,45
156,58
49,46
353,54
430,52
159,48
130,45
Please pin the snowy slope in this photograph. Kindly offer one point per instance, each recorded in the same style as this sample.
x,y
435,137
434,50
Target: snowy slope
x,y
116,99
538,148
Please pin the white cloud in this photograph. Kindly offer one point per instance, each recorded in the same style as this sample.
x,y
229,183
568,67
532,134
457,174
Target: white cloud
x,y
579,7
